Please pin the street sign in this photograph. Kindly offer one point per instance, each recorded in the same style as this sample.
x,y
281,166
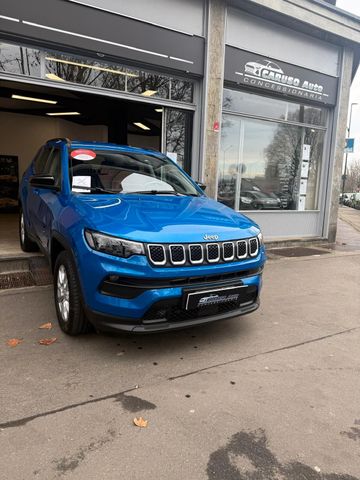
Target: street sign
x,y
349,145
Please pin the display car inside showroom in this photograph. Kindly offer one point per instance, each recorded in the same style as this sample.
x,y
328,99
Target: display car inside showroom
x,y
249,97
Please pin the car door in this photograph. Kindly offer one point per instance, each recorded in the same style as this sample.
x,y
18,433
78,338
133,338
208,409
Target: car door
x,y
34,199
49,197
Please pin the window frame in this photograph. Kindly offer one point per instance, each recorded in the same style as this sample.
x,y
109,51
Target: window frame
x,y
324,158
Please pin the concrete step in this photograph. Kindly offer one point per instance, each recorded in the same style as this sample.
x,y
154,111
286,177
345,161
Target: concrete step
x,y
24,271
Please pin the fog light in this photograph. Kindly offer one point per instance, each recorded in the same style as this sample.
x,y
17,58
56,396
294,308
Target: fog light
x,y
114,278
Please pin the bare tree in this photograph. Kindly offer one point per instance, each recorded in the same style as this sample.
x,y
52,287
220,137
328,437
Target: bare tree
x,y
352,183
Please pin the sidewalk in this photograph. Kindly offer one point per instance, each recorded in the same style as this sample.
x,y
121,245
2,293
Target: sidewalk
x,y
348,233
350,216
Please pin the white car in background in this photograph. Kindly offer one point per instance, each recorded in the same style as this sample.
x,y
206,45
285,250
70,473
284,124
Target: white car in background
x,y
255,68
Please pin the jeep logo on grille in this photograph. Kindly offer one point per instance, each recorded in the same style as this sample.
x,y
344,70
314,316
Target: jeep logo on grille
x,y
211,237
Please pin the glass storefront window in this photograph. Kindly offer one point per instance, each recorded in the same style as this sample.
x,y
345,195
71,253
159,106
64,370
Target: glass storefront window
x,y
257,105
178,136
60,67
269,165
63,68
19,60
181,90
149,84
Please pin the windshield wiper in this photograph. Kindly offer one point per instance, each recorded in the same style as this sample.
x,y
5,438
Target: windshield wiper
x,y
95,189
155,192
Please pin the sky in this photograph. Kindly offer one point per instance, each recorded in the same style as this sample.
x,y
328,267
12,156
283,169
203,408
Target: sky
x,y
353,6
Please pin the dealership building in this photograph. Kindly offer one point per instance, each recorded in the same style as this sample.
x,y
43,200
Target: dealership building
x,y
248,96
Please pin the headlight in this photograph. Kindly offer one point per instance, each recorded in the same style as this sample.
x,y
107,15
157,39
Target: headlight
x,y
261,239
113,245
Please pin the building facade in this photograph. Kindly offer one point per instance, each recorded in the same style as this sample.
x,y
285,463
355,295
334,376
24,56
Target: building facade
x,y
248,96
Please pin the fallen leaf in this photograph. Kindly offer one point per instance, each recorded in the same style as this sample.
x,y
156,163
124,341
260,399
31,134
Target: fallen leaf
x,y
46,326
140,422
47,341
13,342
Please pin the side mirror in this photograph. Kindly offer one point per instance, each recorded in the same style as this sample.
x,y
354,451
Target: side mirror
x,y
43,181
201,185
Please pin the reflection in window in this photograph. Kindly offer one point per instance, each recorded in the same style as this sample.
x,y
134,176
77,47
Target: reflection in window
x,y
19,60
257,105
178,136
85,72
181,90
268,165
59,67
149,84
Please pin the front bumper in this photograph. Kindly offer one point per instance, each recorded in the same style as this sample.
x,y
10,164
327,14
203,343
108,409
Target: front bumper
x,y
115,324
111,308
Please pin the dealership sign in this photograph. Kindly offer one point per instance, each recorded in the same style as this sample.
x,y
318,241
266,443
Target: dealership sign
x,y
256,71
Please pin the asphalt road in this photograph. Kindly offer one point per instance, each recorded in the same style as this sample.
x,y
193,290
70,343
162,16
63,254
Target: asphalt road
x,y
270,396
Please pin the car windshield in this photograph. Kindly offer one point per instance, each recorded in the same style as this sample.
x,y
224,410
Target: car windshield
x,y
259,194
99,171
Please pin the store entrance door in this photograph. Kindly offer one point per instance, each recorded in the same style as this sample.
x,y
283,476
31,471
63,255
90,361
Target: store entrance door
x,y
177,136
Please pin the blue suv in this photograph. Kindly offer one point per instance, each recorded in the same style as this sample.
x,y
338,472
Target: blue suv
x,y
133,242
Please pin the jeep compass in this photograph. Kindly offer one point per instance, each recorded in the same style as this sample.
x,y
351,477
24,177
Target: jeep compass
x,y
133,242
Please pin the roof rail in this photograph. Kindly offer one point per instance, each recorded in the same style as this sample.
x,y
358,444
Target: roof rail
x,y
59,139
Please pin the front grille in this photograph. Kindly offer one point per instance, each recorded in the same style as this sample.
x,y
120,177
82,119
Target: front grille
x,y
242,249
228,251
254,247
177,254
202,253
157,254
196,253
213,252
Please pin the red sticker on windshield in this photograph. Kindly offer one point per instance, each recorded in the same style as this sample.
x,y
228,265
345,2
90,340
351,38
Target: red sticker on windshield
x,y
81,154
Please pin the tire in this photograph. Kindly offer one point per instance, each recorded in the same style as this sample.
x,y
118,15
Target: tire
x,y
26,244
68,298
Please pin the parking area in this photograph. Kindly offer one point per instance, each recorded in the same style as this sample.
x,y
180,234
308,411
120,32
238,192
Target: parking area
x,y
270,396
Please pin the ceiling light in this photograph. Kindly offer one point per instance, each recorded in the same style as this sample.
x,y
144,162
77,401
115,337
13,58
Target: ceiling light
x,y
52,76
159,110
149,93
57,114
93,67
33,99
141,125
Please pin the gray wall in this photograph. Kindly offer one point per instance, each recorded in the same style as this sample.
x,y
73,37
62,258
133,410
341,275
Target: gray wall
x,y
183,15
260,36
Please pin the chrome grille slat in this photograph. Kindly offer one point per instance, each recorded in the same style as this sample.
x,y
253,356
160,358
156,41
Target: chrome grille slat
x,y
253,247
177,254
211,249
228,251
155,255
241,249
195,248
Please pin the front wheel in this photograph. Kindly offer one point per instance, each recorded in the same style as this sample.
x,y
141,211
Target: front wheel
x,y
68,299
26,244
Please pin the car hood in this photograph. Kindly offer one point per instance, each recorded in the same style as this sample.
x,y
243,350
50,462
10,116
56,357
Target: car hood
x,y
162,218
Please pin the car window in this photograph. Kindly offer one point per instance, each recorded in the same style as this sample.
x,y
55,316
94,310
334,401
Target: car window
x,y
53,165
41,159
273,65
127,172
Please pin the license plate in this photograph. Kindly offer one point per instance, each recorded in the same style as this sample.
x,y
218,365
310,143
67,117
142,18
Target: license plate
x,y
207,298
